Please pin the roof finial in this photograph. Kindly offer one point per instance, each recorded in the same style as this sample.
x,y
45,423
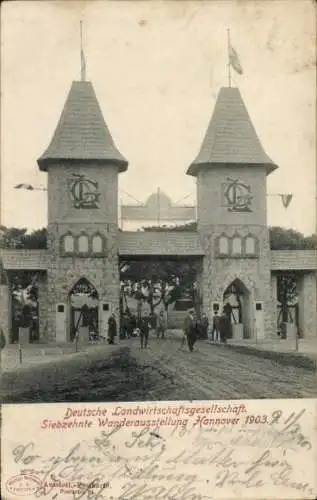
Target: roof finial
x,y
229,64
82,55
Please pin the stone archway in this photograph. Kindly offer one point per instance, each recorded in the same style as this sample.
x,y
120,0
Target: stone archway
x,y
288,313
237,306
84,307
23,298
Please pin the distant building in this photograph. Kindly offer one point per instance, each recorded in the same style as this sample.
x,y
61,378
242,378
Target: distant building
x,y
158,210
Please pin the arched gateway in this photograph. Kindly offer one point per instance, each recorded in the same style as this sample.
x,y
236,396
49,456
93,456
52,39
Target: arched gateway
x,y
231,239
237,305
84,311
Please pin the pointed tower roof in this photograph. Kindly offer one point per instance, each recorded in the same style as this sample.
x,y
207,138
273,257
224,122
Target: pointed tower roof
x,y
81,133
231,138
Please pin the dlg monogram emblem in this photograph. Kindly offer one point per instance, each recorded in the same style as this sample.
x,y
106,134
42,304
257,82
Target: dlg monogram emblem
x,y
237,196
84,192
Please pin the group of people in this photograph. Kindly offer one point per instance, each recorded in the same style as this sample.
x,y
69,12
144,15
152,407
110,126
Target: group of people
x,y
140,327
154,323
194,327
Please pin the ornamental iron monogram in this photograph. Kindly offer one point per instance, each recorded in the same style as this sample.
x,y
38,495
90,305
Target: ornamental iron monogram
x,y
237,196
84,287
83,192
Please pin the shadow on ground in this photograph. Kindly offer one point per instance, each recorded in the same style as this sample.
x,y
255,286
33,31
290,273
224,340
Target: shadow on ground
x,y
98,377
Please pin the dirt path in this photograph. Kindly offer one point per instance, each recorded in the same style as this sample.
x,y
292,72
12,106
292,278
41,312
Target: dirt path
x,y
165,371
215,373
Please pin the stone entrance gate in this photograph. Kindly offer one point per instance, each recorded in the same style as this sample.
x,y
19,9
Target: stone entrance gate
x,y
232,238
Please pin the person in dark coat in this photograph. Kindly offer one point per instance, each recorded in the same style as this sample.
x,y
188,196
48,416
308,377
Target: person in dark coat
x,y
144,331
204,324
2,340
112,328
153,320
227,311
199,329
190,330
215,333
224,328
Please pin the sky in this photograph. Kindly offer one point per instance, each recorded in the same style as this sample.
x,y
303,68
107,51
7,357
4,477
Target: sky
x,y
157,68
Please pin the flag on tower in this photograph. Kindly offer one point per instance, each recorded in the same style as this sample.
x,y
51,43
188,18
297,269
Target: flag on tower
x,y
24,186
234,60
286,199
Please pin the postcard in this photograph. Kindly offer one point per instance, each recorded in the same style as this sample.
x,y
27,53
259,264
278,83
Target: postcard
x,y
158,250
198,450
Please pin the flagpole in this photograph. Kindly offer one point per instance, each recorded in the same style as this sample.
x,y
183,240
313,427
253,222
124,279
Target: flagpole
x,y
229,68
81,49
82,69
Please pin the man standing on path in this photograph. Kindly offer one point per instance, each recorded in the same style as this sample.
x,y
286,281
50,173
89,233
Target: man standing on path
x,y
204,326
161,325
215,334
112,328
190,330
224,327
227,311
144,331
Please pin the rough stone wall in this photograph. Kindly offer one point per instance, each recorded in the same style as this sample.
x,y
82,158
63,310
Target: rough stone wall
x,y
307,305
64,272
43,303
254,273
5,313
210,203
274,300
60,205
214,219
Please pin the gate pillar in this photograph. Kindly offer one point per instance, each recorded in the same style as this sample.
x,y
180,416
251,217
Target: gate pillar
x,y
307,305
274,300
61,323
42,298
258,321
208,297
5,312
104,314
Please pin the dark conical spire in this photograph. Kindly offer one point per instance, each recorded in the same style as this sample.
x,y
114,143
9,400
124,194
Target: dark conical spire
x,y
231,138
82,133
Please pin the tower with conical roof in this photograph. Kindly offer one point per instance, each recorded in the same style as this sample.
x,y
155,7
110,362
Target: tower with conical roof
x,y
82,163
231,170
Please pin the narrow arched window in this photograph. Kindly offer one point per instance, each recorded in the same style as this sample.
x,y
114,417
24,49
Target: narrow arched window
x,y
83,243
236,245
68,243
97,243
223,245
250,245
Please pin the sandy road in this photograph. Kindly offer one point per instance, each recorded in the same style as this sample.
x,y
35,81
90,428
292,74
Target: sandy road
x,y
212,372
165,371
